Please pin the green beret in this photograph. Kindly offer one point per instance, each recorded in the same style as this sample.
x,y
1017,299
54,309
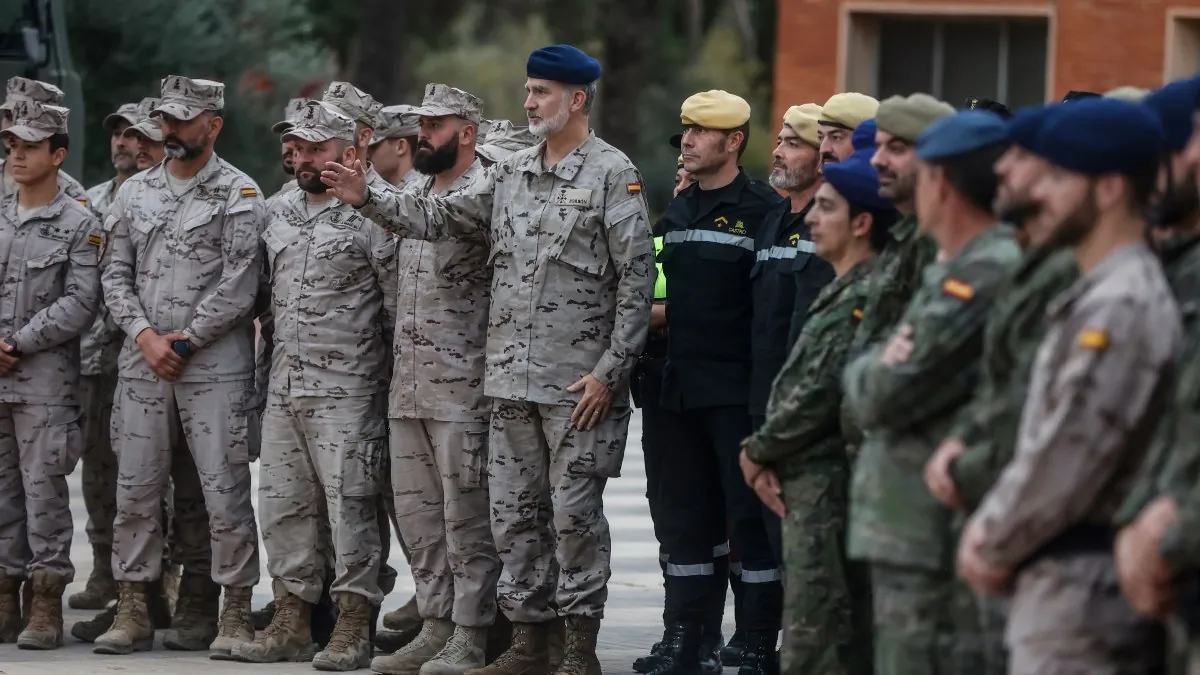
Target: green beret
x,y
907,117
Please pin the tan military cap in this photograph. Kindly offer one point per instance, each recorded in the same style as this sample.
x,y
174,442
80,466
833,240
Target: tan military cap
x,y
803,119
396,121
442,100
501,139
35,122
714,109
25,89
184,98
848,110
353,102
1130,94
320,122
131,112
151,128
295,107
906,117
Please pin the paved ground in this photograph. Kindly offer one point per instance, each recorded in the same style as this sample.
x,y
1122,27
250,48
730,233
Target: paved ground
x,y
633,621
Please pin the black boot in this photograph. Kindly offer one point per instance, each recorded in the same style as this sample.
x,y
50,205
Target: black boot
x,y
644,664
322,619
759,656
680,650
731,653
710,654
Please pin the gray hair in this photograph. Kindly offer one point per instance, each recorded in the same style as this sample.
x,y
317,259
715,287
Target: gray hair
x,y
589,93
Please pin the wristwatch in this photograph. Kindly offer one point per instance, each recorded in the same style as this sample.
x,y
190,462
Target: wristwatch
x,y
13,343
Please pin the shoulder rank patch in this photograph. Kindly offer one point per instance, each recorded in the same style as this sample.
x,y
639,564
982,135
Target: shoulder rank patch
x,y
1096,340
95,239
633,188
958,289
857,314
82,201
249,192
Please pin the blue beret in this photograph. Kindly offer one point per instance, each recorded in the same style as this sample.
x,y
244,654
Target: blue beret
x,y
857,181
1174,105
1027,123
959,134
864,135
1102,135
562,63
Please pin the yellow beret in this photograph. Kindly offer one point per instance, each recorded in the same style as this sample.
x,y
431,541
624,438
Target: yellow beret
x,y
905,117
802,119
715,109
848,109
1130,94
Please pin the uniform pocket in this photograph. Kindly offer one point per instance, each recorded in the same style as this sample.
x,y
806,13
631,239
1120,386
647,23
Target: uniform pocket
x,y
362,461
473,473
43,277
609,439
203,235
245,425
581,249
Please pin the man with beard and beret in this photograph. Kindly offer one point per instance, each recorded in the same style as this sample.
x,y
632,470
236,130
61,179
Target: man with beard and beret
x,y
1173,465
295,107
181,281
20,89
573,263
500,138
1043,534
840,116
394,145
437,412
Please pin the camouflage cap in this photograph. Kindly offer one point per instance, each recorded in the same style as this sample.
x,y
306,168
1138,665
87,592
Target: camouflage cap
x,y
396,121
320,122
501,139
353,102
184,98
442,100
151,128
131,112
35,122
25,89
293,111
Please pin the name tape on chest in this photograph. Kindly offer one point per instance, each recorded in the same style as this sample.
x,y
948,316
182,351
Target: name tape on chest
x,y
51,232
1093,339
212,193
571,197
958,289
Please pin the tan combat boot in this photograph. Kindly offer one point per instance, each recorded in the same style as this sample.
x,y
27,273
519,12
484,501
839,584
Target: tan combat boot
x,y
100,588
465,650
526,656
235,627
579,657
349,645
194,625
288,635
131,630
408,659
556,639
156,601
10,608
44,628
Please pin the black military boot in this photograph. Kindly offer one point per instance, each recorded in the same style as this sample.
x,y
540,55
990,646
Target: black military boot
x,y
731,653
680,650
644,664
759,656
710,653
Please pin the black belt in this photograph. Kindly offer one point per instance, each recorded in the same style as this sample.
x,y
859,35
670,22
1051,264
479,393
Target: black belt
x,y
1081,538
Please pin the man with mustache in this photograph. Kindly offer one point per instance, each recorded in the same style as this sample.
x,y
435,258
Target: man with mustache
x,y
148,134
23,89
182,282
287,149
1043,533
394,145
437,412
573,264
840,116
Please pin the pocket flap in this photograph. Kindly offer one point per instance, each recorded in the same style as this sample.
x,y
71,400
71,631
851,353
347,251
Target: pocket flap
x,y
44,261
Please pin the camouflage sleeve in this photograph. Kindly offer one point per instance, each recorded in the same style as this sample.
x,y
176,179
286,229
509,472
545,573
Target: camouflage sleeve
x,y
383,264
976,469
1102,387
461,214
631,248
806,395
73,312
118,278
947,333
1180,545
233,299
265,316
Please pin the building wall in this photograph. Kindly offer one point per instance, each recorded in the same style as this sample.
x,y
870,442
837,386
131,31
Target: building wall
x,y
1094,45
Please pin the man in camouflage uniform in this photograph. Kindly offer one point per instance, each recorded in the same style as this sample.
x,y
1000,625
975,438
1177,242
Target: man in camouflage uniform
x,y
908,392
291,113
394,145
981,443
332,295
438,414
148,134
797,460
1043,533
49,294
499,139
181,284
573,264
23,89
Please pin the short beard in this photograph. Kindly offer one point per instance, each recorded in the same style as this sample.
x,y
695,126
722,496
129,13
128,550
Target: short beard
x,y
902,189
796,179
176,148
1078,224
1180,203
312,186
431,161
124,162
1016,211
551,126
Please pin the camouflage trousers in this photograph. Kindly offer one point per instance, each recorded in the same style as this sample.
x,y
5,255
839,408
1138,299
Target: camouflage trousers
x,y
203,436
39,446
826,597
440,487
99,475
1068,616
547,483
914,609
322,458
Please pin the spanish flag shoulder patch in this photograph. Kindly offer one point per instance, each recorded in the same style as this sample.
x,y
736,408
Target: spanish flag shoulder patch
x,y
633,188
82,201
857,313
249,192
958,289
95,239
1095,340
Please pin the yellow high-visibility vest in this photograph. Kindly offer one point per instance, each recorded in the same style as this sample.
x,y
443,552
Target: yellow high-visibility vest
x,y
660,283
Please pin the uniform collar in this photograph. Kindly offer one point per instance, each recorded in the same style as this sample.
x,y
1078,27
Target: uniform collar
x,y
50,211
1107,267
567,168
728,194
834,288
157,177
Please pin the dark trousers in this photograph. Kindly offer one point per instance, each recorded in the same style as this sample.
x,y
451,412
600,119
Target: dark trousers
x,y
771,521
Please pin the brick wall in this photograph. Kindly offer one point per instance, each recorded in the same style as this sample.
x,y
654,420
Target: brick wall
x,y
1096,44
